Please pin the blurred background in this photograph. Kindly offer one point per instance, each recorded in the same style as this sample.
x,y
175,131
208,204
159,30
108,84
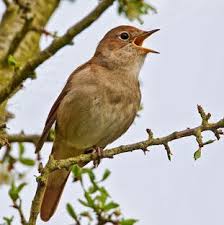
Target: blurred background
x,y
189,71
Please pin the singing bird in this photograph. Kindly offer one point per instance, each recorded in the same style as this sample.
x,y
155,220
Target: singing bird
x,y
97,105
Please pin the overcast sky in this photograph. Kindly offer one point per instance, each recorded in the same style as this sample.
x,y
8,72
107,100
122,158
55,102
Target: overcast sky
x,y
189,71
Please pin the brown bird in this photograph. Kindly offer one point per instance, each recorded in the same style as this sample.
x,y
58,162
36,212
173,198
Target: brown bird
x,y
97,105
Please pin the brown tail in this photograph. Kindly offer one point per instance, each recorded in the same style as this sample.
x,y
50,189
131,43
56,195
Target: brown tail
x,y
52,194
56,180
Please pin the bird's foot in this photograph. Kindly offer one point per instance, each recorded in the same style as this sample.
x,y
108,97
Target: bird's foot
x,y
98,151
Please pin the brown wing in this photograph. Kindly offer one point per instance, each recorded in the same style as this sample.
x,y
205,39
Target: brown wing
x,y
51,118
52,114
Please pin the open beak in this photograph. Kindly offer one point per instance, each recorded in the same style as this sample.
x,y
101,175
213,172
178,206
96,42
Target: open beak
x,y
138,41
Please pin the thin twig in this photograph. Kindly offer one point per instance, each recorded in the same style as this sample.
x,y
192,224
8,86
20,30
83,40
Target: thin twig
x,y
28,138
20,211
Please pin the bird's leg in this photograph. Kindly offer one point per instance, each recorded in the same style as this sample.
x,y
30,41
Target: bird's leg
x,y
98,151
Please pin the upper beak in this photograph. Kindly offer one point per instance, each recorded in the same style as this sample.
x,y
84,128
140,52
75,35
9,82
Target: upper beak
x,y
139,40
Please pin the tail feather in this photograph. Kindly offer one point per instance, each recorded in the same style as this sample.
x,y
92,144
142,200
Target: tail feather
x,y
52,194
56,180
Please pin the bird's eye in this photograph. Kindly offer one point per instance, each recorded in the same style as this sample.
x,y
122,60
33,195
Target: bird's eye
x,y
124,36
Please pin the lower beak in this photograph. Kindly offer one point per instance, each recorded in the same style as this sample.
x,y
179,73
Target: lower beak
x,y
138,41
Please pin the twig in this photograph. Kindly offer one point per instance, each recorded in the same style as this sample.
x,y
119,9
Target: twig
x,y
28,138
53,165
57,44
20,211
44,31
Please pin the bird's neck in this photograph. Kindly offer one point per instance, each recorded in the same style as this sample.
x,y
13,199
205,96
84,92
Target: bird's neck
x,y
121,65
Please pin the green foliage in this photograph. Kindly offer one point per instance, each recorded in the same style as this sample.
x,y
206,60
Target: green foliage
x,y
71,211
97,203
12,62
14,191
197,154
134,9
7,220
24,160
128,222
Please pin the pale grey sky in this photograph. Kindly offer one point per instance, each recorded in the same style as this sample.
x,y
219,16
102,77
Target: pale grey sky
x,y
189,71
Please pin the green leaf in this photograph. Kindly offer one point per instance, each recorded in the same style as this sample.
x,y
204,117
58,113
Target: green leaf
x,y
89,199
106,174
13,192
102,198
90,174
8,220
110,205
21,149
133,9
21,186
83,203
104,191
71,211
77,171
27,161
94,188
87,215
197,154
128,221
12,61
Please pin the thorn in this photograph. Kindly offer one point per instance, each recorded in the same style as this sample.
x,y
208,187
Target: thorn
x,y
40,167
145,150
150,133
168,151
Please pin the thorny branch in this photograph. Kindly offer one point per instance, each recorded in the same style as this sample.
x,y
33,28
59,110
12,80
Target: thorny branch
x,y
27,70
53,164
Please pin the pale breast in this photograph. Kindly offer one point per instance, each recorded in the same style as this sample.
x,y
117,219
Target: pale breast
x,y
99,110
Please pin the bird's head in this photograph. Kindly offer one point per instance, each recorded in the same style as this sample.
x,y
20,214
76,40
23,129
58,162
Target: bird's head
x,y
123,45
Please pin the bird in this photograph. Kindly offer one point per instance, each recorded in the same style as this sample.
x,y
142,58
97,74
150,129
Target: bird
x,y
97,105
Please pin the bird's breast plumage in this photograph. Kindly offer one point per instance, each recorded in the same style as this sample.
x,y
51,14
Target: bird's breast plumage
x,y
101,108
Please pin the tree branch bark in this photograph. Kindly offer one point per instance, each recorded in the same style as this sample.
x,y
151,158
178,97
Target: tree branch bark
x,y
57,44
53,164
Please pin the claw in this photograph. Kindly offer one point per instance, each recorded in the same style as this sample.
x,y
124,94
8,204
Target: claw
x,y
98,151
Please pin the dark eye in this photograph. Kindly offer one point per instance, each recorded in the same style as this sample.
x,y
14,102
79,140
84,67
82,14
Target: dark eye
x,y
124,36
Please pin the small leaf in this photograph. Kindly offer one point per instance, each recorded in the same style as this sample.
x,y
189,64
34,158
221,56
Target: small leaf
x,y
93,189
21,186
87,215
90,174
77,171
71,211
197,154
106,174
89,199
13,192
84,203
12,60
8,220
104,191
128,222
21,149
110,205
27,161
102,198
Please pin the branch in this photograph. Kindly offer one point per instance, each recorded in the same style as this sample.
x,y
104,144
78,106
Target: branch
x,y
53,164
18,207
57,44
28,138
